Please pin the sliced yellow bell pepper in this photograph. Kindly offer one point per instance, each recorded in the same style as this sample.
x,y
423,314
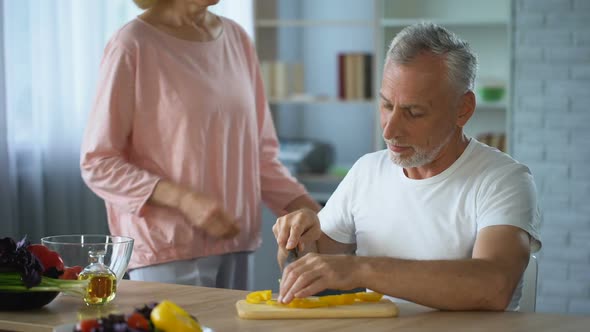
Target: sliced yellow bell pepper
x,y
265,297
309,302
342,299
259,296
306,303
368,296
169,317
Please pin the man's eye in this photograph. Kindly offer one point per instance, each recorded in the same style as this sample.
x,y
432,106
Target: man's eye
x,y
415,113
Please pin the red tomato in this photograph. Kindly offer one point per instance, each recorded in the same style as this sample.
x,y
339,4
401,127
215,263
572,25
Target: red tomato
x,y
87,325
71,273
138,321
47,257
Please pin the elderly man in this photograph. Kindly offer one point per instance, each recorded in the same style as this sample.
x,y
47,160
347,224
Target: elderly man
x,y
437,218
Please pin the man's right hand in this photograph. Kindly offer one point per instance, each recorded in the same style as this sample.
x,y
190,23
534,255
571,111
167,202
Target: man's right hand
x,y
208,215
299,229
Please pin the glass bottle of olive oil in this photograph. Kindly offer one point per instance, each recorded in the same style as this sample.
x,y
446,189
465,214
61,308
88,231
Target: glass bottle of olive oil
x,y
102,282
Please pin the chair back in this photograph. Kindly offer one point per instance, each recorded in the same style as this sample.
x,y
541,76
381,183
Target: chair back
x,y
528,300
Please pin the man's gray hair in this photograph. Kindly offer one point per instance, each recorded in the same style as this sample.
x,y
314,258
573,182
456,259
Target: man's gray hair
x,y
414,39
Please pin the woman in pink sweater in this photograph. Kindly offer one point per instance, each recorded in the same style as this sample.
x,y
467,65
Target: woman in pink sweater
x,y
181,145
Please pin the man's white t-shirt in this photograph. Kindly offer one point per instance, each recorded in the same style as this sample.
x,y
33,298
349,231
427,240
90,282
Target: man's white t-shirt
x,y
388,214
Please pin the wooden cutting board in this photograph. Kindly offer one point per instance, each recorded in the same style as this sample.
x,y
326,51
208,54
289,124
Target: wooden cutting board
x,y
384,308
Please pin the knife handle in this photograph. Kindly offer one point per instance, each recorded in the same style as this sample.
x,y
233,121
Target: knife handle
x,y
339,291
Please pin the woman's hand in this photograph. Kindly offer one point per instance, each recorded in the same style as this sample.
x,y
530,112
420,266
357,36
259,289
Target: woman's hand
x,y
202,211
208,215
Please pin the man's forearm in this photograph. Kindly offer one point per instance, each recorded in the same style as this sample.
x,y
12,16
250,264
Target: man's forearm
x,y
471,284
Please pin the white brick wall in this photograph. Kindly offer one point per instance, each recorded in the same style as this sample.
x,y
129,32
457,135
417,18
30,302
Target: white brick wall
x,y
544,6
578,54
582,37
550,132
581,4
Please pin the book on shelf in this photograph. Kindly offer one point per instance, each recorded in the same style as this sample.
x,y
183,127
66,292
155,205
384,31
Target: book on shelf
x,y
355,75
495,140
282,79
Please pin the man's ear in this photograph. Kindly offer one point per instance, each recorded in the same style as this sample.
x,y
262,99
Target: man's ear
x,y
466,108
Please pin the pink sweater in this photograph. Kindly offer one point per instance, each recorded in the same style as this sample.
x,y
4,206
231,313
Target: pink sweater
x,y
190,112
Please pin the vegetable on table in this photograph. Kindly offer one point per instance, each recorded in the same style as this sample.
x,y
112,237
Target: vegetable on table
x,y
71,273
11,281
265,297
87,325
14,257
368,296
259,296
168,316
137,321
21,270
165,316
49,258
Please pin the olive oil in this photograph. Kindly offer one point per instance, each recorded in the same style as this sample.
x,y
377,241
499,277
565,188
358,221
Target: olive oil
x,y
102,282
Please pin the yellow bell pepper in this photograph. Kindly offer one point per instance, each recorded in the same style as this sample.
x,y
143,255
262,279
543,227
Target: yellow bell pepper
x,y
342,299
259,296
307,303
265,297
300,303
368,296
169,317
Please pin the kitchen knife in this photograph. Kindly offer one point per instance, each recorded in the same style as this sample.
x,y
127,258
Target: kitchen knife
x,y
292,256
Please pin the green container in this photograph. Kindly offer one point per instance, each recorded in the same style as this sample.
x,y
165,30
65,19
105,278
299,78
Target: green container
x,y
491,93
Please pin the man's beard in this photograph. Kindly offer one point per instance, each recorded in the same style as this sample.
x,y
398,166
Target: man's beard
x,y
420,157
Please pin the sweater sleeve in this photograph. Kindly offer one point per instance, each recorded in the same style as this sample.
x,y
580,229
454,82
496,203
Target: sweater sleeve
x,y
103,158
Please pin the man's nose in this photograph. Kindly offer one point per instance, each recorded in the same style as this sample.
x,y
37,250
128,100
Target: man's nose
x,y
393,124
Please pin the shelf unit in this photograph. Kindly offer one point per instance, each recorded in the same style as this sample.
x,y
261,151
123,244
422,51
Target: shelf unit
x,y
319,101
276,23
447,22
484,24
311,34
284,30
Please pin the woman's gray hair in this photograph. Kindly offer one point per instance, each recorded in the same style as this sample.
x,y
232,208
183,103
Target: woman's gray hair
x,y
414,39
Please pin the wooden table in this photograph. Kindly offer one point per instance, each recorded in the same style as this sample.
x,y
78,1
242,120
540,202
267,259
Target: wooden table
x,y
215,308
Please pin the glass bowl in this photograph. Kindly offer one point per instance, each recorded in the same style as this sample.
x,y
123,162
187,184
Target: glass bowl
x,y
74,250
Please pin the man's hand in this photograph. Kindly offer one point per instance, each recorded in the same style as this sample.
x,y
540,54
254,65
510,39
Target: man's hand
x,y
314,273
299,229
208,215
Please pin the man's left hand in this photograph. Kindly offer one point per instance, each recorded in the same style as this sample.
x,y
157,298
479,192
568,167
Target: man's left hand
x,y
314,273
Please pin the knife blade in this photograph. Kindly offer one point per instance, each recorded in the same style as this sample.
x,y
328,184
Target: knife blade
x,y
292,256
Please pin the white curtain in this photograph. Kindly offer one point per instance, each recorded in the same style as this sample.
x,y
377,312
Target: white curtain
x,y
49,58
8,227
